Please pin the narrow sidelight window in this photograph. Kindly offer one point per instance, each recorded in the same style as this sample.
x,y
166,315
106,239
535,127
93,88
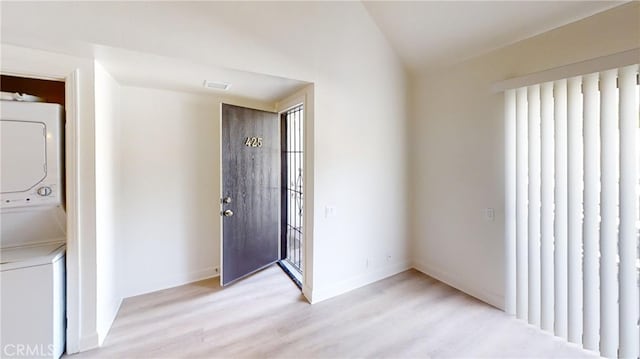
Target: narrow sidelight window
x,y
292,231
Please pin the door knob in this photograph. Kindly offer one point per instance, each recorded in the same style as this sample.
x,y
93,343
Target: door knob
x,y
227,213
226,200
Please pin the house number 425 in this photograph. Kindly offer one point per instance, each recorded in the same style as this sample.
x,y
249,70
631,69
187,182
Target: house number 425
x,y
253,142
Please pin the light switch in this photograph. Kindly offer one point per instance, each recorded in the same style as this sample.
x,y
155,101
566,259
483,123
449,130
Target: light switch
x,y
329,211
489,214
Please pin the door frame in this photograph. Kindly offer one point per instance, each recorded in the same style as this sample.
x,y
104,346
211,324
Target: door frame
x,y
71,78
304,96
284,224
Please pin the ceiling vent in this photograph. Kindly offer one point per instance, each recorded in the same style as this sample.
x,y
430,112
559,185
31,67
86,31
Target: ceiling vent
x,y
216,85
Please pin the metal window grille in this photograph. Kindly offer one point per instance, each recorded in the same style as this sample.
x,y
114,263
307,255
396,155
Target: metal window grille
x,y
293,188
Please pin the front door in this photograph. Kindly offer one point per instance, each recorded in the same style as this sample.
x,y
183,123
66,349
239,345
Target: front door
x,y
251,191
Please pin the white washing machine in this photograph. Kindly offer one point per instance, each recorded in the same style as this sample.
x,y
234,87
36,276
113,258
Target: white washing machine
x,y
32,301
33,230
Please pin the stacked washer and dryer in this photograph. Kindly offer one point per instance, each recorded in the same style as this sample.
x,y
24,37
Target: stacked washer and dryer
x,y
33,230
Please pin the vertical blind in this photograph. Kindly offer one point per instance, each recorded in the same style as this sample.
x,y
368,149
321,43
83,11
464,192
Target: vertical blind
x,y
573,209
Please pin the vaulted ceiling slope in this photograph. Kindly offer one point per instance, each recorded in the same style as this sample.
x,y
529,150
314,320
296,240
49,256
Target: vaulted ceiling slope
x,y
433,33
286,39
424,34
169,44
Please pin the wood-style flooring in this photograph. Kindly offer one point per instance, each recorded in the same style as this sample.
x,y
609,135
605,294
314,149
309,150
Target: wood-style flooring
x,y
264,316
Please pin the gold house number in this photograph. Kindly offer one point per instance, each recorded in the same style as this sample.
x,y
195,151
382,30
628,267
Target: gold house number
x,y
253,142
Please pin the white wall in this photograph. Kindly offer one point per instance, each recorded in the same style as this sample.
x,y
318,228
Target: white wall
x,y
167,206
107,107
458,147
168,203
360,171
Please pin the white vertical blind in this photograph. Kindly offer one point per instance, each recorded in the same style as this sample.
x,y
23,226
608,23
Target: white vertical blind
x,y
533,99
546,195
522,242
560,214
590,293
510,201
609,214
629,181
573,209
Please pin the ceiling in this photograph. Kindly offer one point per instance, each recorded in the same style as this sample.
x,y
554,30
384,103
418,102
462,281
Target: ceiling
x,y
238,42
147,70
434,33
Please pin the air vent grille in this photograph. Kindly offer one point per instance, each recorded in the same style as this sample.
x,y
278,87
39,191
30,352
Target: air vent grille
x,y
216,85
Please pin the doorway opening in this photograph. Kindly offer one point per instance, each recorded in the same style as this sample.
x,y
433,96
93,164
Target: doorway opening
x,y
292,192
33,234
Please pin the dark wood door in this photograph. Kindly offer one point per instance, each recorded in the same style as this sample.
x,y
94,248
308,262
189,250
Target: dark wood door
x,y
251,191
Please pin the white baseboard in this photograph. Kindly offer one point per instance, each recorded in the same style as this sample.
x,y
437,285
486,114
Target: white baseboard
x,y
307,292
96,339
88,342
102,332
454,281
174,282
319,294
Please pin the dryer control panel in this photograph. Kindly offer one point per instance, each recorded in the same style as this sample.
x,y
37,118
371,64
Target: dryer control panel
x,y
31,154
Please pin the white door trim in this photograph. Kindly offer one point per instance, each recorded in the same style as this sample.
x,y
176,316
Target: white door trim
x,y
305,97
72,110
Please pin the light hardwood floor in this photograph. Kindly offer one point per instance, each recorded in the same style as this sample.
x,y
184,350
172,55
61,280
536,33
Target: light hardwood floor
x,y
264,316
